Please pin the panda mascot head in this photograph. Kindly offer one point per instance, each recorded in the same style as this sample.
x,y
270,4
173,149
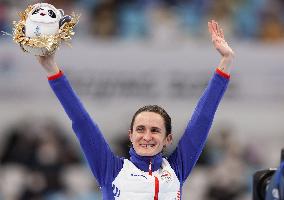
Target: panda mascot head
x,y
42,29
43,19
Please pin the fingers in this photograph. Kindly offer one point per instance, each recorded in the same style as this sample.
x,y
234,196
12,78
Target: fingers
x,y
212,24
210,27
215,29
217,36
222,33
212,31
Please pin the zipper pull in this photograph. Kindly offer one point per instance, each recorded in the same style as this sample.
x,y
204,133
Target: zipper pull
x,y
150,168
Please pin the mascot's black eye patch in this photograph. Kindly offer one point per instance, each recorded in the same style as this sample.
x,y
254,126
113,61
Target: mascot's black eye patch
x,y
51,14
36,11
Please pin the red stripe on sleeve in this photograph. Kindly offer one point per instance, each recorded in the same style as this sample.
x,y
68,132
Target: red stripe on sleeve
x,y
221,73
55,76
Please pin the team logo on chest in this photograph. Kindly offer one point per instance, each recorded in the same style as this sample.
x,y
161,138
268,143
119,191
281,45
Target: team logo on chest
x,y
138,175
166,176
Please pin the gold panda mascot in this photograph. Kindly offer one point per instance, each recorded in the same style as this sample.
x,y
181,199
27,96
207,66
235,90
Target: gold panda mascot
x,y
42,28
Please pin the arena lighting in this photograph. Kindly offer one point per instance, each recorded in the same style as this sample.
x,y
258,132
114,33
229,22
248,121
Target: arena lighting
x,y
269,184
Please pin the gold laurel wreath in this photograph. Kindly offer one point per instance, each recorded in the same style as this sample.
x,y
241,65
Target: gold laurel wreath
x,y
50,42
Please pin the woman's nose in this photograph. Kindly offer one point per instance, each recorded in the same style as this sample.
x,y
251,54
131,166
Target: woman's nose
x,y
147,136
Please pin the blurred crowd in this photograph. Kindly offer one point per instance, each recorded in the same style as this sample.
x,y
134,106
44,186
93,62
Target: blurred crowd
x,y
39,161
164,19
228,166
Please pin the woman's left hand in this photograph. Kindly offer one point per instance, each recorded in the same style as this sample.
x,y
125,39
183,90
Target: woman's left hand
x,y
218,39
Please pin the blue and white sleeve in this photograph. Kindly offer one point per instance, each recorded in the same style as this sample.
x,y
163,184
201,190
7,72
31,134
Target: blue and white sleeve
x,y
190,146
104,164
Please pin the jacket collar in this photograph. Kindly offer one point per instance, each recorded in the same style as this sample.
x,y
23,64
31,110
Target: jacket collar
x,y
143,162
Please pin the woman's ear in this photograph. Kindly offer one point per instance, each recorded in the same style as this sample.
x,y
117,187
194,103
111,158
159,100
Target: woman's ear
x,y
169,139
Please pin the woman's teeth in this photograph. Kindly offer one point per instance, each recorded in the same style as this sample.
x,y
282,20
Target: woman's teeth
x,y
147,145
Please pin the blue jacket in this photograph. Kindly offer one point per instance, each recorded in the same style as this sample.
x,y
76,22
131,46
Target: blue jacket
x,y
121,178
275,189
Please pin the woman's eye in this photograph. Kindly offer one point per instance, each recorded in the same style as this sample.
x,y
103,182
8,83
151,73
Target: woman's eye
x,y
139,129
51,14
155,130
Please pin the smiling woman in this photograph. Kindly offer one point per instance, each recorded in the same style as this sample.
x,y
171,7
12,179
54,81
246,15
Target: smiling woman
x,y
147,175
148,133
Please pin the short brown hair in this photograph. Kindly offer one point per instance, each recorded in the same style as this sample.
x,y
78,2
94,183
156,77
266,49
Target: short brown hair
x,y
155,109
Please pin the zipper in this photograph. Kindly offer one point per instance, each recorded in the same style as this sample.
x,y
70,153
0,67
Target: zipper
x,y
156,196
150,168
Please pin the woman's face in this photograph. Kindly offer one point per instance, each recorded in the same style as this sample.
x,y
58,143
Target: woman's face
x,y
148,137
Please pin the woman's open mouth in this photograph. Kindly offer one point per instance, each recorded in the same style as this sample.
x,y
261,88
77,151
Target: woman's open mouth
x,y
147,145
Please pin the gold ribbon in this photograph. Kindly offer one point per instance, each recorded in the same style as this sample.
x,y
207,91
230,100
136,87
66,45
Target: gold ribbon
x,y
50,42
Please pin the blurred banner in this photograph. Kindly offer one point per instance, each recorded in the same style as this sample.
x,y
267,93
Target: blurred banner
x,y
116,78
131,71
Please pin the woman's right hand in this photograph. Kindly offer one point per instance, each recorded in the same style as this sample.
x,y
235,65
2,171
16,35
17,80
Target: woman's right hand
x,y
221,45
49,64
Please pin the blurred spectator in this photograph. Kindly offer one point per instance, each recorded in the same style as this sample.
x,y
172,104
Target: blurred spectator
x,y
66,5
164,28
3,16
125,19
15,149
133,21
226,177
272,24
246,18
229,166
191,16
35,158
104,21
12,181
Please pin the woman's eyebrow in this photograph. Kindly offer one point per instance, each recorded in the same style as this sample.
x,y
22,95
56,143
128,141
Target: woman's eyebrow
x,y
154,127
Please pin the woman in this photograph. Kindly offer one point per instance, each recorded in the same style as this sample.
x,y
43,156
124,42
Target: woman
x,y
147,175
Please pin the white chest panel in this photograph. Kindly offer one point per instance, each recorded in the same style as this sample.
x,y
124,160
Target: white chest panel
x,y
132,183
